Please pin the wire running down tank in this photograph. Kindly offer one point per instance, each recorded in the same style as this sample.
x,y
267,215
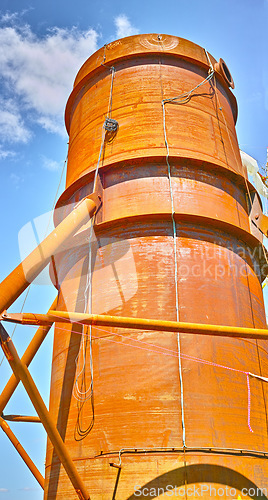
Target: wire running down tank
x,y
172,240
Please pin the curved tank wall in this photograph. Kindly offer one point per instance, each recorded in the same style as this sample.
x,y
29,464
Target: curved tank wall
x,y
137,399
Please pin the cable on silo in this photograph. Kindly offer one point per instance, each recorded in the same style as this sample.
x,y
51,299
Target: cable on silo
x,y
175,272
180,99
109,125
185,97
175,263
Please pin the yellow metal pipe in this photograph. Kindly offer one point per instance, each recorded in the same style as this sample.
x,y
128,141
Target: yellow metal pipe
x,y
24,455
154,324
21,418
21,372
137,323
20,278
27,357
42,320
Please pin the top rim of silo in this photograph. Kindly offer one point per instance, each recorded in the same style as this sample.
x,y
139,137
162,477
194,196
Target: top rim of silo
x,y
136,46
141,44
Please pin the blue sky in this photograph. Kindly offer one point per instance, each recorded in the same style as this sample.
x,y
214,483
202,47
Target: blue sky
x,y
42,46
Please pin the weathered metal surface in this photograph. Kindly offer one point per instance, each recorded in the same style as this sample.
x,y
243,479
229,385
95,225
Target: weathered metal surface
x,y
220,264
140,133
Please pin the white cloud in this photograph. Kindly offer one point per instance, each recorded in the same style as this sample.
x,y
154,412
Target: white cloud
x,y
13,17
3,490
9,17
6,153
27,488
53,124
50,164
12,125
38,73
124,27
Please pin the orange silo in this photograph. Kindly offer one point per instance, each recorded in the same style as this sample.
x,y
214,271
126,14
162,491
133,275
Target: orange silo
x,y
145,413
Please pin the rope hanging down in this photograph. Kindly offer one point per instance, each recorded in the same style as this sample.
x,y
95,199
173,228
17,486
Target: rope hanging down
x,y
175,273
180,99
175,269
185,97
109,125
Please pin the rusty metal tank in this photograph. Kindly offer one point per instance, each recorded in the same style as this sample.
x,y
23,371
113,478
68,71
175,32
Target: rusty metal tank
x,y
166,411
